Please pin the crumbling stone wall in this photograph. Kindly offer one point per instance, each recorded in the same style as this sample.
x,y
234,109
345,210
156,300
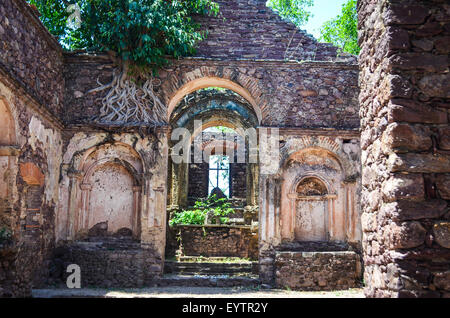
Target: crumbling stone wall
x,y
318,270
333,157
308,95
107,264
31,87
33,167
30,55
405,142
44,87
249,29
217,241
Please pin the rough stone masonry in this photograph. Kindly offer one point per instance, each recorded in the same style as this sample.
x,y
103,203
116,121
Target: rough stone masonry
x,y
74,192
404,100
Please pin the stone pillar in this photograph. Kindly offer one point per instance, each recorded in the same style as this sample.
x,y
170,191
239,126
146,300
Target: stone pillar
x,y
86,189
74,204
352,223
153,219
404,99
252,184
136,210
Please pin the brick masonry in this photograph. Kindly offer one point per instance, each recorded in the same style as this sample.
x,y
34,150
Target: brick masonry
x,y
289,94
249,29
406,164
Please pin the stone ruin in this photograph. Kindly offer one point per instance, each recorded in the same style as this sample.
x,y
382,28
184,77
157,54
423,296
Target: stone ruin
x,y
360,187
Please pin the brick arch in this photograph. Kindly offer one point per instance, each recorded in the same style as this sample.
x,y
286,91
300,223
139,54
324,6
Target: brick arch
x,y
205,77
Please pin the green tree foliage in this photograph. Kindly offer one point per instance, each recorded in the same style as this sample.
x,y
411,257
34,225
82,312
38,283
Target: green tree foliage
x,y
295,11
142,32
139,35
54,15
342,31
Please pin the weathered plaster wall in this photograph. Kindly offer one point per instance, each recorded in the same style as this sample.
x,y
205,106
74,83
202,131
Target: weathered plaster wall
x,y
331,157
404,102
30,175
133,199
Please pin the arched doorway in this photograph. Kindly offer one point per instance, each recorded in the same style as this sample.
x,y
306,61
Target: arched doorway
x,y
220,158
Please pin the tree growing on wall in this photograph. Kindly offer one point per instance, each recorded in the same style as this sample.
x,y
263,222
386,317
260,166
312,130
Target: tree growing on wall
x,y
295,11
139,35
342,31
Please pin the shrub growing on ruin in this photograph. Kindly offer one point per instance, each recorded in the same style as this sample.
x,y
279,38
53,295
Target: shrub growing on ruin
x,y
197,215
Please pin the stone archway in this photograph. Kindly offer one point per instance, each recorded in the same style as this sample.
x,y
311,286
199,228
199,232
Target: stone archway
x,y
245,86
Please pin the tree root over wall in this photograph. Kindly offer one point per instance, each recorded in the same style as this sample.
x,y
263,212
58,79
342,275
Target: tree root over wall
x,y
131,100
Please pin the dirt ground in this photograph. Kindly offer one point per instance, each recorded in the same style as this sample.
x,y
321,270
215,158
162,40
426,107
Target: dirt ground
x,y
192,292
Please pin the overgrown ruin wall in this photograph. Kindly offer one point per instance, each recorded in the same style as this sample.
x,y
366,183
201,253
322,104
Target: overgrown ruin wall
x,y
404,102
31,88
30,55
308,95
333,159
248,29
404,76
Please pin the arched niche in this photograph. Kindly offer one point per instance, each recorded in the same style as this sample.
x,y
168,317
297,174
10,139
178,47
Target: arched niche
x,y
110,185
311,200
312,197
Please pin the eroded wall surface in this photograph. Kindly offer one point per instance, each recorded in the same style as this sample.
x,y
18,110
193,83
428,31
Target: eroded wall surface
x,y
29,194
405,142
30,55
31,88
290,213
